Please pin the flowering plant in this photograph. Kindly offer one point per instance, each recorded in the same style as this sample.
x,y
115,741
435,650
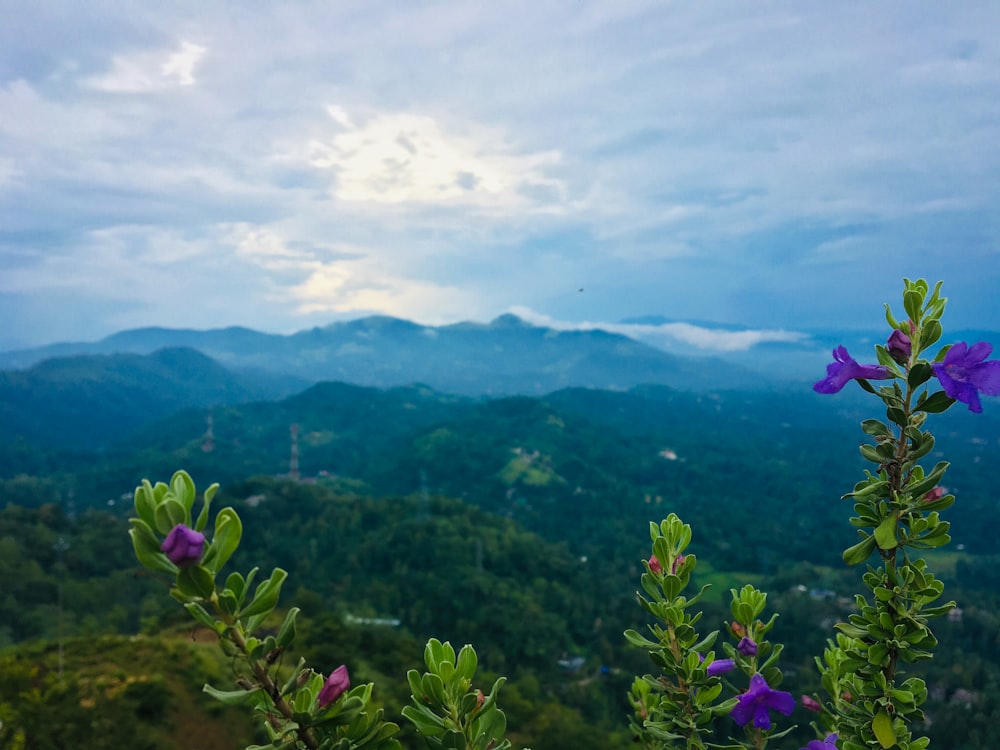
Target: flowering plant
x,y
702,682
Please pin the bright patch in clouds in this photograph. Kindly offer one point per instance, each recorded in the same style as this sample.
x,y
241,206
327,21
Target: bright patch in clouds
x,y
347,280
410,158
150,70
662,335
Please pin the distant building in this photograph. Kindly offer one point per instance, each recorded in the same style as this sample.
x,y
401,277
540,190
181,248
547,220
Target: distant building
x,y
572,664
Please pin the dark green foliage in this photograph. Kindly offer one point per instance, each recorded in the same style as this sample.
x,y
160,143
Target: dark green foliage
x,y
586,480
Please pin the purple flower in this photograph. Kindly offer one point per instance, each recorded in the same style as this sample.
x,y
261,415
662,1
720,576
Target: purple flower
x,y
183,546
830,743
720,666
335,686
964,374
844,368
746,646
899,347
758,700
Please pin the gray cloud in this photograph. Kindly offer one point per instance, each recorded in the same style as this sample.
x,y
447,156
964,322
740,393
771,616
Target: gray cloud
x,y
776,166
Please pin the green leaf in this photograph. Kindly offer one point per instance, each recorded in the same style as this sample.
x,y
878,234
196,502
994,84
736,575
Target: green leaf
x,y
889,316
920,488
875,427
882,728
930,334
866,385
426,725
872,454
935,403
174,511
467,662
860,551
147,548
266,596
897,415
196,581
885,359
913,301
432,686
199,613
919,374
885,534
287,633
202,521
145,503
228,532
638,640
182,486
231,697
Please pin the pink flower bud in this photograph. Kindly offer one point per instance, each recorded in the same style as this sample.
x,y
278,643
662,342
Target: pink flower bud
x,y
810,704
335,686
654,564
936,494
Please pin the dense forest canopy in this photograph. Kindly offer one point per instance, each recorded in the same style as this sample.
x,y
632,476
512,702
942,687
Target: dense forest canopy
x,y
410,501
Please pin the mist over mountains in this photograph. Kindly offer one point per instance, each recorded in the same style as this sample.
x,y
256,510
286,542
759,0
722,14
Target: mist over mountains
x,y
505,357
99,392
509,355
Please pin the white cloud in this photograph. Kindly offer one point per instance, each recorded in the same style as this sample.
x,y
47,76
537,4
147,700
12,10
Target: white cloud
x,y
8,171
445,160
363,287
409,158
346,279
150,70
707,339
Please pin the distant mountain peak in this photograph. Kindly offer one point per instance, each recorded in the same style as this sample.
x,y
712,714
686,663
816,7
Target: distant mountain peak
x,y
509,320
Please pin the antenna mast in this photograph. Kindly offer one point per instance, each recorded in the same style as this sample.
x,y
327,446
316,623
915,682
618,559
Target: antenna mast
x,y
293,464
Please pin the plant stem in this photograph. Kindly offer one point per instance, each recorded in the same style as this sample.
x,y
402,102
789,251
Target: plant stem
x,y
263,677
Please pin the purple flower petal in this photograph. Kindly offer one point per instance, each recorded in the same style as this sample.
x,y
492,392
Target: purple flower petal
x,y
183,546
756,702
720,666
964,374
844,369
335,686
830,743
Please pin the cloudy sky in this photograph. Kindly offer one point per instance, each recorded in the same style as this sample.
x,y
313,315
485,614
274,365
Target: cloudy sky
x,y
776,166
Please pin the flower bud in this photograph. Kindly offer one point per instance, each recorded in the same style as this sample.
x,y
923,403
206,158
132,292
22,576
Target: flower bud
x,y
720,666
654,564
810,704
746,646
934,495
738,629
335,686
183,546
899,347
678,561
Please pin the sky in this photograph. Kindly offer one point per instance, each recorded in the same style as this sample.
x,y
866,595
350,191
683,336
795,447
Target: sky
x,y
775,167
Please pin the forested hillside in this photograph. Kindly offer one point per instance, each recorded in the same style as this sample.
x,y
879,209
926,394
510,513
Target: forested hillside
x,y
410,504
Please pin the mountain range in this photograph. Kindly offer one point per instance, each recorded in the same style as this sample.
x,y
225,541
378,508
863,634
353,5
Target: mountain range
x,y
505,357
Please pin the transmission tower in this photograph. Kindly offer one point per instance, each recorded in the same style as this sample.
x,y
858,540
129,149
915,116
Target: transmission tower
x,y
293,464
208,442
